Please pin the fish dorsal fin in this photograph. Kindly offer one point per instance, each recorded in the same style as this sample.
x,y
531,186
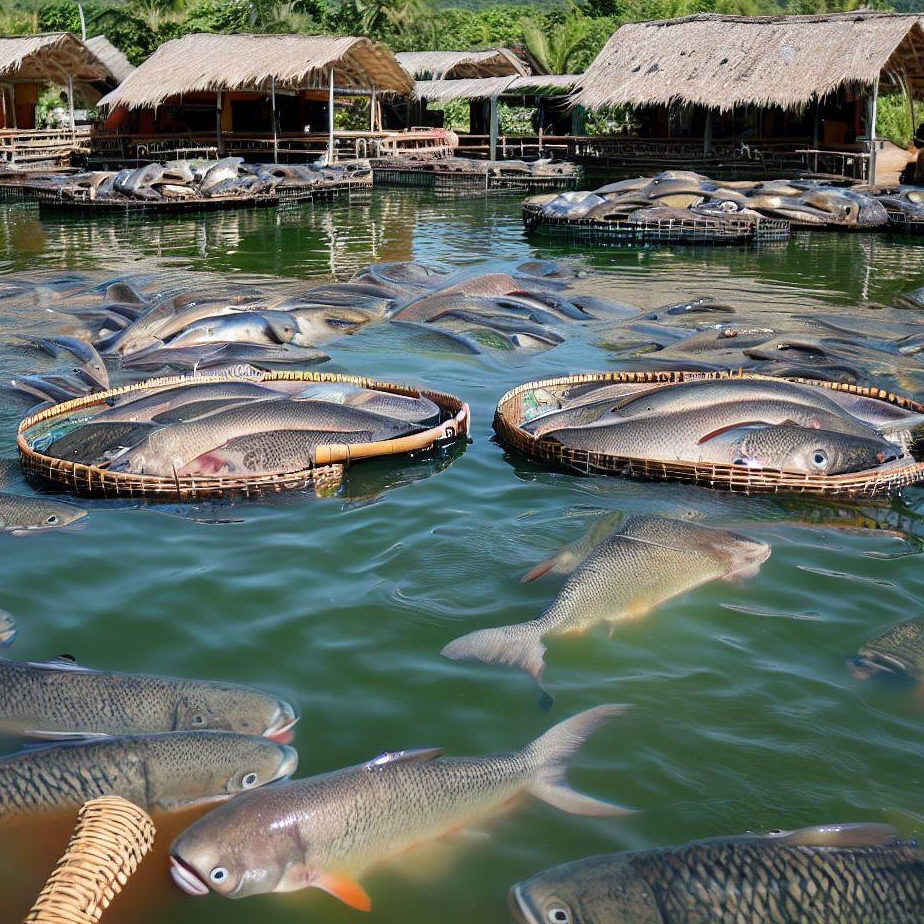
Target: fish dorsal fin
x,y
414,756
63,662
864,834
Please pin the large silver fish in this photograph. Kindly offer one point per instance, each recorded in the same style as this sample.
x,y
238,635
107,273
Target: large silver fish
x,y
165,772
170,448
59,699
23,515
324,831
646,561
840,874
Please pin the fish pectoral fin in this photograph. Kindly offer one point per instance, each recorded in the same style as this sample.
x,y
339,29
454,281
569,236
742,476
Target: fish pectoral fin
x,y
413,756
41,737
348,890
864,834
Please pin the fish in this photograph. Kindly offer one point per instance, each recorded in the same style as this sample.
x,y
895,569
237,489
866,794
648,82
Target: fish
x,y
692,436
24,515
166,772
61,699
896,652
848,874
168,449
323,831
271,451
271,327
644,562
96,442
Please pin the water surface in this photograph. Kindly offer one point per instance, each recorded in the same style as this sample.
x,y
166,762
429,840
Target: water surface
x,y
743,720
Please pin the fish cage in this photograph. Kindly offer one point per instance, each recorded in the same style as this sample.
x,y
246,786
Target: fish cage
x,y
51,199
448,183
513,410
697,229
324,477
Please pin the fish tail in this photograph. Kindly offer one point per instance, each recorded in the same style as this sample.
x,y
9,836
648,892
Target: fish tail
x,y
552,751
517,646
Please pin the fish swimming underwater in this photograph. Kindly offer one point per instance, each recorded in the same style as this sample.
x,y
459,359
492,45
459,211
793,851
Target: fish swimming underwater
x,y
646,561
165,772
841,874
59,699
324,831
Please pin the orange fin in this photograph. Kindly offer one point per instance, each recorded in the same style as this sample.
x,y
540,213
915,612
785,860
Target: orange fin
x,y
349,891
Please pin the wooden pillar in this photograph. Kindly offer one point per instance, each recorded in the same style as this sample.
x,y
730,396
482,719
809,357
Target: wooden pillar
x,y
70,105
330,119
273,116
220,138
871,132
493,130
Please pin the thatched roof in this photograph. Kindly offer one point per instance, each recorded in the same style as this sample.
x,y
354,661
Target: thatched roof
x,y
442,91
51,57
727,61
461,65
208,63
119,66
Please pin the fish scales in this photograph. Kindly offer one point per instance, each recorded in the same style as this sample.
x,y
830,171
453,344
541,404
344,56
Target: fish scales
x,y
791,884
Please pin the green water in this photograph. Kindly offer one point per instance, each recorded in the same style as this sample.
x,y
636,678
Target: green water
x,y
741,721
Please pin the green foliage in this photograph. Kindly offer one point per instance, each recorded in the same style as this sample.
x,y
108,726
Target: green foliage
x,y
893,119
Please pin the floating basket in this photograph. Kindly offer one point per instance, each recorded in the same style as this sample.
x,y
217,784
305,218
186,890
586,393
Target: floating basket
x,y
511,413
111,838
325,476
697,229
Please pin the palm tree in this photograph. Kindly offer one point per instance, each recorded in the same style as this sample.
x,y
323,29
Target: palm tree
x,y
558,50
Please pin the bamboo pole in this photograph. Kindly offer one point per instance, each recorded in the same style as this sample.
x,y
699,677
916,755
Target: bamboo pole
x,y
275,129
330,119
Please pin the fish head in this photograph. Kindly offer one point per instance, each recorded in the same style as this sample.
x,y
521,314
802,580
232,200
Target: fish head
x,y
190,768
39,517
231,707
597,890
243,848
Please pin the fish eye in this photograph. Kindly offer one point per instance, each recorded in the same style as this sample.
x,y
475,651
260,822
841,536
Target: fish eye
x,y
820,458
558,914
219,874
249,780
52,520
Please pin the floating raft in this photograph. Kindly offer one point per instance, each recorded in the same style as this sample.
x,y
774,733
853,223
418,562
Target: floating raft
x,y
52,200
513,410
697,229
325,476
448,181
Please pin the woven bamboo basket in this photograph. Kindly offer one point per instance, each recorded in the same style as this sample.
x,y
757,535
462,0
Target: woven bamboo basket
x,y
111,838
872,483
325,477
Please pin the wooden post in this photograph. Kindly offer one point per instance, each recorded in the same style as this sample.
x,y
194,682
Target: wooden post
x,y
70,105
275,129
220,136
492,130
330,119
871,133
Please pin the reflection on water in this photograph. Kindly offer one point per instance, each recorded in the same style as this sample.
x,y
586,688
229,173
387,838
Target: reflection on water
x,y
744,719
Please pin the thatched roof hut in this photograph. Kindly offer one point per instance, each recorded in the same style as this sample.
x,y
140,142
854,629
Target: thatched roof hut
x,y
216,63
462,65
114,59
725,61
442,91
52,57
